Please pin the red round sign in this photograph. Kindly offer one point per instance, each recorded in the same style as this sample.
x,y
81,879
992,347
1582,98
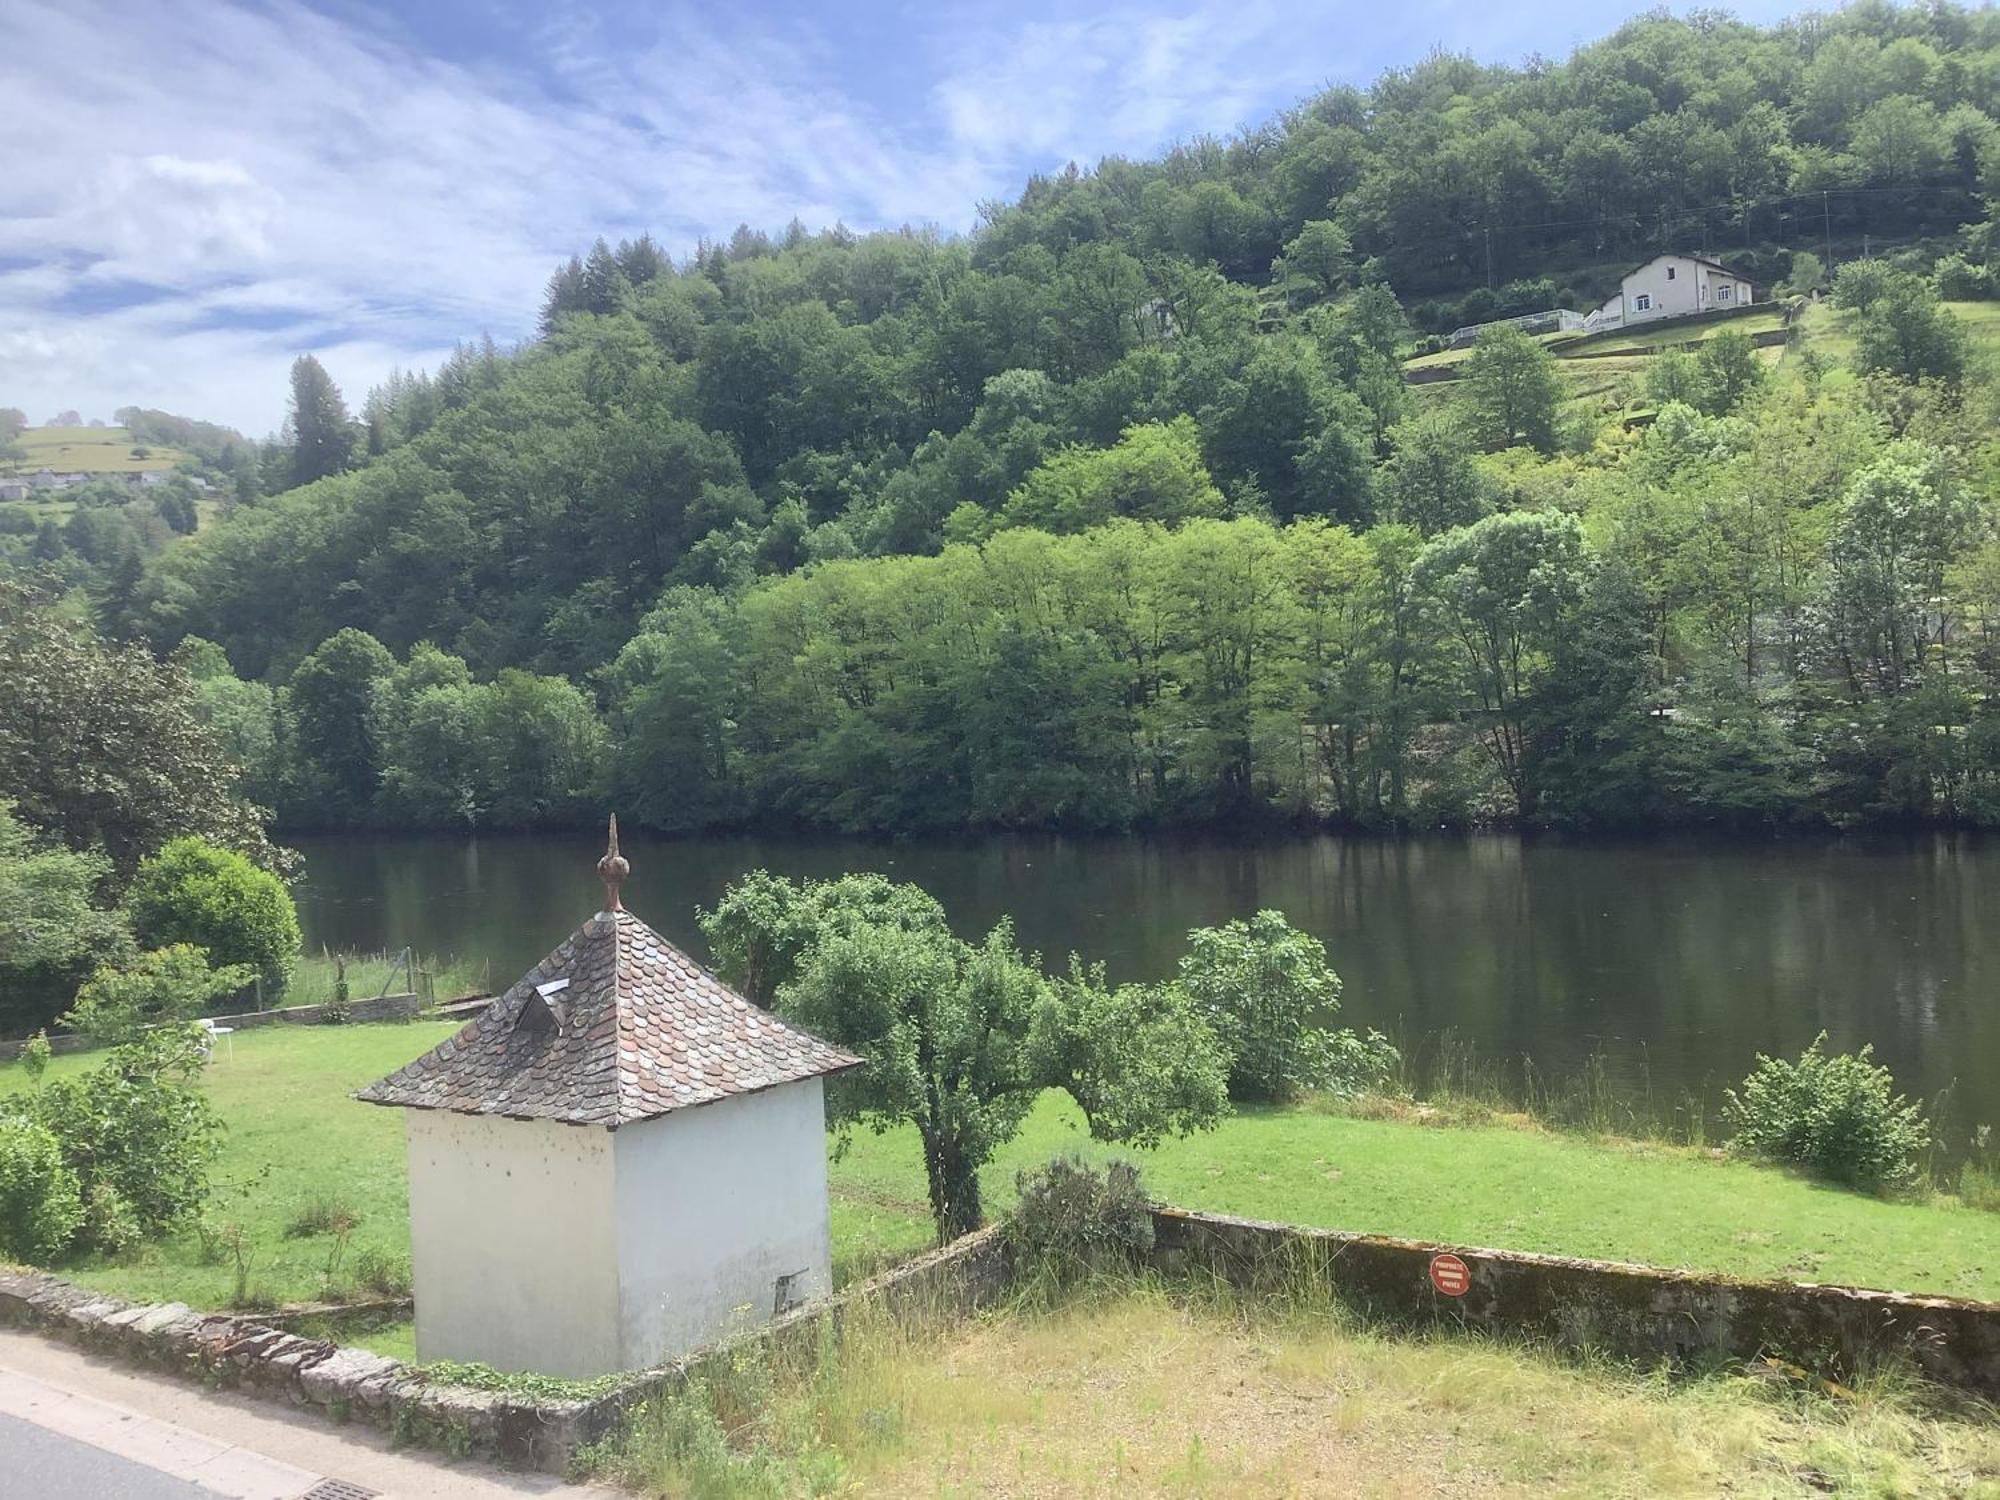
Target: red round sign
x,y
1451,1275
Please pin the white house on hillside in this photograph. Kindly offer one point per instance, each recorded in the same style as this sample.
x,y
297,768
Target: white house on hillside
x,y
1672,286
620,1161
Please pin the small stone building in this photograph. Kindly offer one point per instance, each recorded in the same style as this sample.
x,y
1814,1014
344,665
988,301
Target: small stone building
x,y
622,1159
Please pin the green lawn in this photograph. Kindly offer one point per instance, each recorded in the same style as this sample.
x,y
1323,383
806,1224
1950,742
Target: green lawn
x,y
89,450
294,1136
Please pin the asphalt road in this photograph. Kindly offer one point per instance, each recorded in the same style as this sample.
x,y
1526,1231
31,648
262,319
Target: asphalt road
x,y
36,1464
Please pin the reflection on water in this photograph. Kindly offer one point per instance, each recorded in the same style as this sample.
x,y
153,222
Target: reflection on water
x,y
1679,960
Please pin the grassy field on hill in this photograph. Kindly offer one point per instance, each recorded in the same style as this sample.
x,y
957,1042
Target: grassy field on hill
x,y
295,1139
88,450
1604,363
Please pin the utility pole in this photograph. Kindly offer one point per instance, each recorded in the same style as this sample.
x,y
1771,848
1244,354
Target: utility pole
x,y
1489,256
1826,218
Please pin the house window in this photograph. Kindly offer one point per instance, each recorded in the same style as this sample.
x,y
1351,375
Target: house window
x,y
1642,302
1722,294
1670,273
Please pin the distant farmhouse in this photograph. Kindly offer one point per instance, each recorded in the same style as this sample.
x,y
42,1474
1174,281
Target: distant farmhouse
x,y
1672,286
45,480
1667,286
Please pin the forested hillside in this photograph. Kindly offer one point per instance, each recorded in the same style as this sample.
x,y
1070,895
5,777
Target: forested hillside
x,y
1119,509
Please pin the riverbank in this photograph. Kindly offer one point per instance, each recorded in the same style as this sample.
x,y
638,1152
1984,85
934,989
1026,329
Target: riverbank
x,y
299,1155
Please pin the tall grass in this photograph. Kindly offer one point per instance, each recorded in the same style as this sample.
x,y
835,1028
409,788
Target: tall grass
x,y
1198,1387
1458,1083
437,978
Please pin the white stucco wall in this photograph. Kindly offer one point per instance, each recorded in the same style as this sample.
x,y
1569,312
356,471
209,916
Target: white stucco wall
x,y
513,1241
714,1204
1691,289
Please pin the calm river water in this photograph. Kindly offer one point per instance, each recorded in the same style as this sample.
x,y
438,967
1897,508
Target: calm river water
x,y
1677,961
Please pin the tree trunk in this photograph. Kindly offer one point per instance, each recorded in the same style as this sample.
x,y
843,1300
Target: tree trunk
x,y
954,1187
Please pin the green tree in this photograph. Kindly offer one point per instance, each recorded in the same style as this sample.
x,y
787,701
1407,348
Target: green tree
x,y
1906,332
1141,1061
55,924
1513,389
1155,473
193,892
102,747
330,702
954,1033
322,433
1266,989
1317,262
1430,480
1506,588
1729,371
157,989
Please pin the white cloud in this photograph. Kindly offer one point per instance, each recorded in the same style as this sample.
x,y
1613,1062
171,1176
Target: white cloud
x,y
195,193
246,163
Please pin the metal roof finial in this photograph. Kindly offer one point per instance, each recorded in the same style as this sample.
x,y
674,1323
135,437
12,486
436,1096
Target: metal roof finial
x,y
612,869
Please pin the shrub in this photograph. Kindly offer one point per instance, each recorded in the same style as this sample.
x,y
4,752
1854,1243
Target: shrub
x,y
41,1205
193,892
322,1215
1074,1221
138,1125
382,1273
1267,991
1837,1115
1958,280
160,988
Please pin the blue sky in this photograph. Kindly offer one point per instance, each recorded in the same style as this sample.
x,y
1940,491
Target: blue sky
x,y
196,191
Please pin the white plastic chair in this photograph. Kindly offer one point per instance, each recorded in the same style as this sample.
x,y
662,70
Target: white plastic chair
x,y
215,1031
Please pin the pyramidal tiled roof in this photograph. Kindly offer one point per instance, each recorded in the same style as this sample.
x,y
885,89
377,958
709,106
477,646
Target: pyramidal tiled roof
x,y
615,1026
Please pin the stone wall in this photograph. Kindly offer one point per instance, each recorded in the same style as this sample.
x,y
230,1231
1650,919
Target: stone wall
x,y
252,1356
381,1008
1635,1312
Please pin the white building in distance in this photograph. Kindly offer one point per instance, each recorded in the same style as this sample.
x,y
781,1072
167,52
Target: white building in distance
x,y
621,1160
1672,286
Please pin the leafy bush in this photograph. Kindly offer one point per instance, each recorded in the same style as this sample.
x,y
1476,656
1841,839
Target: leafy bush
x,y
168,985
382,1273
1958,280
54,924
1141,1061
1837,1115
41,1205
1266,989
138,1125
193,892
1074,1221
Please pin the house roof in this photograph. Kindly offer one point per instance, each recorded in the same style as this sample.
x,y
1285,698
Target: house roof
x,y
615,1026
1700,260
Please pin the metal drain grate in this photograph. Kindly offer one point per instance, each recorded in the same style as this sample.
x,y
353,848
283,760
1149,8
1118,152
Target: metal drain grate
x,y
339,1489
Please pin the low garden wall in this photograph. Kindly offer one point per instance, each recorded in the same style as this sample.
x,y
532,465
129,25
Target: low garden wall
x,y
251,1355
382,1008
1634,1312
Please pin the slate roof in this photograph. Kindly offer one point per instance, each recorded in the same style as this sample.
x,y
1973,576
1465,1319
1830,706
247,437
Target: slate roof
x,y
639,1030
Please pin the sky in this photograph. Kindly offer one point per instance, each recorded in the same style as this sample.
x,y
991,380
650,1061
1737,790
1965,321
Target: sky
x,y
196,191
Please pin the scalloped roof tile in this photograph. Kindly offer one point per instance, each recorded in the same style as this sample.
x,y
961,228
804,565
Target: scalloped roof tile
x,y
615,1026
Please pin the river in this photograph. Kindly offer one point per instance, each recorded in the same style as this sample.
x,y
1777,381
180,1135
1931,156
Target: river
x,y
1675,961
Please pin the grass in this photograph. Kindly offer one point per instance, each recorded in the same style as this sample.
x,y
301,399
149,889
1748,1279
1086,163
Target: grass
x,y
1153,1390
295,1140
88,450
